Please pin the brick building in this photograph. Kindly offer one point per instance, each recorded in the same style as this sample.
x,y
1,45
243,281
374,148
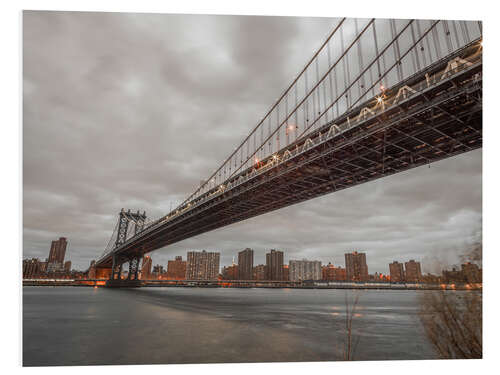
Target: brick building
x,y
274,265
355,265
259,272
396,270
413,273
57,253
176,269
332,273
231,272
202,265
31,268
245,264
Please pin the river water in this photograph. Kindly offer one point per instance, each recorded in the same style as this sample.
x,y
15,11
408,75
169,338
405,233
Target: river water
x,y
98,326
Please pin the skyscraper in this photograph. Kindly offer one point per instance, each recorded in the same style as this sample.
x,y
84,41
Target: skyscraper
x,y
397,272
176,269
56,255
245,264
305,270
356,268
202,265
412,271
274,265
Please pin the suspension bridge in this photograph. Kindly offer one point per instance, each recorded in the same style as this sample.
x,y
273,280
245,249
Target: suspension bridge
x,y
378,97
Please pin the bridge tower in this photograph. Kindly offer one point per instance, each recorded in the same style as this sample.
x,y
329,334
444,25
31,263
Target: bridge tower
x,y
128,223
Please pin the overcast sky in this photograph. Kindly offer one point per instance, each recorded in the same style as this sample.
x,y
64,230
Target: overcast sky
x,y
133,110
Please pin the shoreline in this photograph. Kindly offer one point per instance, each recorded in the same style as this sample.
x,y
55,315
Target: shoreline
x,y
257,285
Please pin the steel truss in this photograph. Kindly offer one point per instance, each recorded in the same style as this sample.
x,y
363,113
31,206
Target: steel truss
x,y
432,115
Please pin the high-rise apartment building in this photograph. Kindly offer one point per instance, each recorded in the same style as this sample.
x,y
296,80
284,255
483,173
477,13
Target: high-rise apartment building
x,y
147,265
58,250
397,272
274,265
412,271
355,265
55,262
304,270
202,265
245,264
176,269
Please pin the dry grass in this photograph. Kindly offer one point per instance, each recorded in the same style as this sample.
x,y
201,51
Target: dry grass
x,y
453,322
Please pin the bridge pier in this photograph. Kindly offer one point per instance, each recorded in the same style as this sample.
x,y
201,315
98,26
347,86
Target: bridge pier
x,y
132,280
123,283
133,269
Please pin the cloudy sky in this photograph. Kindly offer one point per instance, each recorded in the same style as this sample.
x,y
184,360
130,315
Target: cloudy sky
x,y
133,110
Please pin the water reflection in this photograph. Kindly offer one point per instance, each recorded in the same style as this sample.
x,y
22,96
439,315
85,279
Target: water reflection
x,y
71,326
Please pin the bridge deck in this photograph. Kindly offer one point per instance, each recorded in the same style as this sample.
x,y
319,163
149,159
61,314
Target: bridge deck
x,y
433,115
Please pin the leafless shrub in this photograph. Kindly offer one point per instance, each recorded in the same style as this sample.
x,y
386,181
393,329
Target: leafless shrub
x,y
349,348
453,322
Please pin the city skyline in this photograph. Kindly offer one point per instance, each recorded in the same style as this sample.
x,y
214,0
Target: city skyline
x,y
410,215
246,257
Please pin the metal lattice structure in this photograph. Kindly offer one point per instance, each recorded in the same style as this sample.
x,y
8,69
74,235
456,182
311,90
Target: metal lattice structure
x,y
377,98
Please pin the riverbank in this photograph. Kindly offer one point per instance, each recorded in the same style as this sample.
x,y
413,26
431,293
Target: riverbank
x,y
259,284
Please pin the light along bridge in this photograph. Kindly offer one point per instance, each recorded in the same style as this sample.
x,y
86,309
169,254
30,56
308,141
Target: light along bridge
x,y
377,98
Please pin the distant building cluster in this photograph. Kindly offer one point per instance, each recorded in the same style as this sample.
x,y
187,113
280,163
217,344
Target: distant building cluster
x,y
410,272
203,265
469,273
54,267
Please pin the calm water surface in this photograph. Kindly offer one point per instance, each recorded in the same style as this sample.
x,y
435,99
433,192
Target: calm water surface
x,y
87,326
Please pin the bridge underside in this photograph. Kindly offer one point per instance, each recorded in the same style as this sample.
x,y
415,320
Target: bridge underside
x,y
439,121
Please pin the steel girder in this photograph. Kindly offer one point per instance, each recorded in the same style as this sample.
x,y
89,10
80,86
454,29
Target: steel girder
x,y
444,121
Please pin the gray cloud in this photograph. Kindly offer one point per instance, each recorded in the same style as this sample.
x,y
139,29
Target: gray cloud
x,y
133,110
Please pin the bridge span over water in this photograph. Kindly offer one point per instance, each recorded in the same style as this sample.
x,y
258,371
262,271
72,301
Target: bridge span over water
x,y
377,98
